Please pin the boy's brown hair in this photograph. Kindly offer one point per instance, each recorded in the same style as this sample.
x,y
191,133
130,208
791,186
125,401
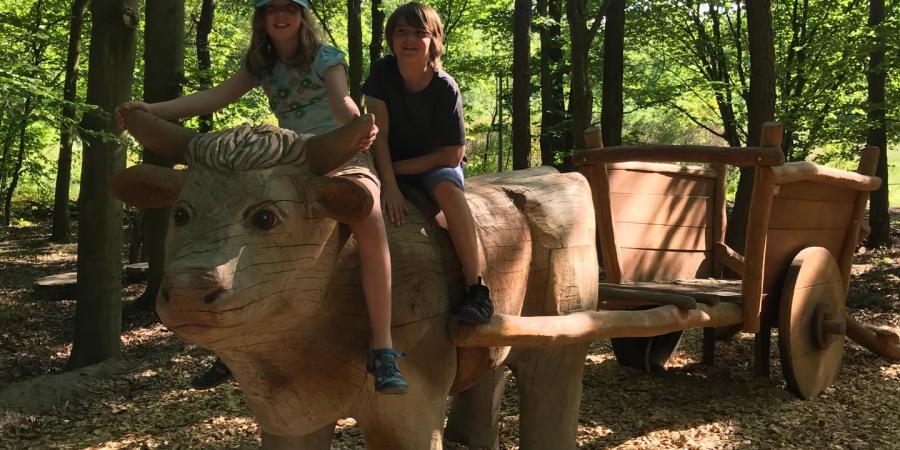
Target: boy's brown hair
x,y
420,17
261,56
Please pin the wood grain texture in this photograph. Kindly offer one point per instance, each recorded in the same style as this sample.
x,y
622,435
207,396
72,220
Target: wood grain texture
x,y
646,264
639,182
661,209
882,342
664,237
808,171
755,252
284,309
590,325
813,283
733,156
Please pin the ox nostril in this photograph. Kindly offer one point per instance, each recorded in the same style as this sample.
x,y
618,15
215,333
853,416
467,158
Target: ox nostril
x,y
213,296
164,294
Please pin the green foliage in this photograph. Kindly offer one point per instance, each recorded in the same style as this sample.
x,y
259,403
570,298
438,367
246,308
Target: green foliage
x,y
685,62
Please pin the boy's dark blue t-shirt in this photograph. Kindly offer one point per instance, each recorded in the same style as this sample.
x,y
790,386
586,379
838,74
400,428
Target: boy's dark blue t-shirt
x,y
419,122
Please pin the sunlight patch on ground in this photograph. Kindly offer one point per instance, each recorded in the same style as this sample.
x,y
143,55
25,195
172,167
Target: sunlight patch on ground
x,y
891,372
143,335
595,358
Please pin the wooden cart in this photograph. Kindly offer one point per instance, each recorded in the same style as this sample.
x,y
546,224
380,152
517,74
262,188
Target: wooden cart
x,y
661,230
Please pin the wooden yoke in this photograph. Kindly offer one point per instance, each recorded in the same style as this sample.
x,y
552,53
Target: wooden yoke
x,y
586,326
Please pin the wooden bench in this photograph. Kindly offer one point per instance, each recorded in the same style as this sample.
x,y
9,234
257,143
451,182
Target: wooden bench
x,y
661,229
63,286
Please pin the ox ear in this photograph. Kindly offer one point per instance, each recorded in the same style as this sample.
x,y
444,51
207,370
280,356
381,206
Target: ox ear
x,y
147,186
343,199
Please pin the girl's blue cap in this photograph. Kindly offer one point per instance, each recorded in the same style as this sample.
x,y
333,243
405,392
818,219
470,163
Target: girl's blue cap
x,y
261,3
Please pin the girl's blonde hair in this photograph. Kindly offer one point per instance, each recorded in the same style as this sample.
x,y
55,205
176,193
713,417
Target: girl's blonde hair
x,y
261,56
420,17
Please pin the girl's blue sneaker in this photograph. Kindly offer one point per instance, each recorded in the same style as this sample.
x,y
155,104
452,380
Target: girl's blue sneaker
x,y
383,365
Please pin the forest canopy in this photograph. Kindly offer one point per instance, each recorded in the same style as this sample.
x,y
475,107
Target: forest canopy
x,y
685,75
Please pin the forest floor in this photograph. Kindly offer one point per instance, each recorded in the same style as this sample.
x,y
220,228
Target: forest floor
x,y
143,400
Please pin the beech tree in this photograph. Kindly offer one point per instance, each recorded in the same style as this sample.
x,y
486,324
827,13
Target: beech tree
x,y
67,126
98,311
521,69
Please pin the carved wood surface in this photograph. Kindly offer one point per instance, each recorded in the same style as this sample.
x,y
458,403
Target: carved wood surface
x,y
735,156
303,364
590,325
813,297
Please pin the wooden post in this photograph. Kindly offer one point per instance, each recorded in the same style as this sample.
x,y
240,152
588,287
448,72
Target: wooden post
x,y
762,342
719,217
597,175
868,161
754,260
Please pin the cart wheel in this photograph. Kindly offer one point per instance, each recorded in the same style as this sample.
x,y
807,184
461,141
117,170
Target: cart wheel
x,y
647,354
811,322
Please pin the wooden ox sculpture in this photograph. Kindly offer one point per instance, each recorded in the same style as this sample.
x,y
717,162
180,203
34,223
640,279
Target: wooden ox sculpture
x,y
258,270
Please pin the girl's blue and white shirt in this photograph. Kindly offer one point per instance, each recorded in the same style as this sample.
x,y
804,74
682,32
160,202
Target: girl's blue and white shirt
x,y
298,97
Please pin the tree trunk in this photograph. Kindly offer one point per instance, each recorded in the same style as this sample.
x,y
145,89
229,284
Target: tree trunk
x,y
760,108
613,61
204,61
579,83
17,170
66,138
521,99
552,73
376,44
879,218
354,47
4,159
500,123
163,75
98,312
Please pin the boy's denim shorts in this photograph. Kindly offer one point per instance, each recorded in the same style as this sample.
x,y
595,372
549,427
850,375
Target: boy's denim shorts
x,y
429,180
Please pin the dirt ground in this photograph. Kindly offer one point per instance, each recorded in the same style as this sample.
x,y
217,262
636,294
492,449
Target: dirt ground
x,y
143,400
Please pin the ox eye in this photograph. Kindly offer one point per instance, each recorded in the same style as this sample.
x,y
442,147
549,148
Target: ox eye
x,y
180,216
264,219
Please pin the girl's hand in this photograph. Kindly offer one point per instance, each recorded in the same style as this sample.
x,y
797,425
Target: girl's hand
x,y
367,141
128,106
394,205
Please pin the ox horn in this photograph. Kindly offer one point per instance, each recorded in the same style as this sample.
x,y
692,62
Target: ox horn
x,y
327,152
157,135
147,186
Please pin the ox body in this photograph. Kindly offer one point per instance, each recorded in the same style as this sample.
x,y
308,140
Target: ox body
x,y
259,270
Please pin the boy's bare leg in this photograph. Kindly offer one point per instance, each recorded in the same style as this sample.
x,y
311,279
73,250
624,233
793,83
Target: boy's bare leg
x,y
452,201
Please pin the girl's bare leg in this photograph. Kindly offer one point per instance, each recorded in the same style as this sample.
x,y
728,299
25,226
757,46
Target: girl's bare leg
x,y
375,265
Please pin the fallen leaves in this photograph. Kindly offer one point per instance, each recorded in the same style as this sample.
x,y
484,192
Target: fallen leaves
x,y
689,406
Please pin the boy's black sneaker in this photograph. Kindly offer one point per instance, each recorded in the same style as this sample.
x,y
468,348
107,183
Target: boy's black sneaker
x,y
477,307
217,374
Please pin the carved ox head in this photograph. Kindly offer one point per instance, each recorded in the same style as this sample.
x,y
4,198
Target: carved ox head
x,y
251,219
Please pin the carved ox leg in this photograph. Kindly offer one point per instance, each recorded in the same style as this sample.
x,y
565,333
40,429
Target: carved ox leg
x,y
415,420
549,382
319,440
473,413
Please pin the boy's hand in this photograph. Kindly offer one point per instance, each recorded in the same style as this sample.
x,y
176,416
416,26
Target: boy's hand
x,y
128,106
394,205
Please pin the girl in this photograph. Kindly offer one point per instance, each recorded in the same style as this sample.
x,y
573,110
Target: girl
x,y
306,83
421,138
